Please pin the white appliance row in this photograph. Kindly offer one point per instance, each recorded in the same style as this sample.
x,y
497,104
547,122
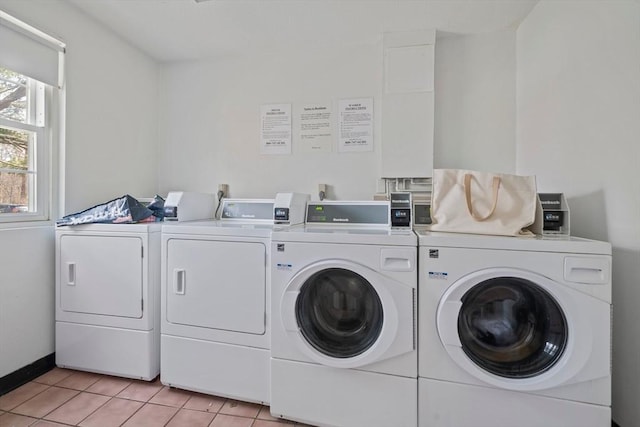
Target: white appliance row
x,y
204,284
345,321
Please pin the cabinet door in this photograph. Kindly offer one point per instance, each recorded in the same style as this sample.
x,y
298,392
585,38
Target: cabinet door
x,y
101,275
216,284
408,104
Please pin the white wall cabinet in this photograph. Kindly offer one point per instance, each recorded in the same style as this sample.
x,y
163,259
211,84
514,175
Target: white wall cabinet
x,y
408,104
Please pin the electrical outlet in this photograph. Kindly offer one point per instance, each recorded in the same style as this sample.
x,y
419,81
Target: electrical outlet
x,y
224,188
322,191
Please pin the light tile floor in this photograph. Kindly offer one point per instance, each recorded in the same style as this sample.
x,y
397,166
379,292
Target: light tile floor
x,y
64,397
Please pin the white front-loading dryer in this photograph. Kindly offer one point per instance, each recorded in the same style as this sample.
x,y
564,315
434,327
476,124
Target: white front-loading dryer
x,y
108,299
343,350
514,331
215,313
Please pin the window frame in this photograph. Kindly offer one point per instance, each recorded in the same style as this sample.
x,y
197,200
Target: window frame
x,y
41,186
45,117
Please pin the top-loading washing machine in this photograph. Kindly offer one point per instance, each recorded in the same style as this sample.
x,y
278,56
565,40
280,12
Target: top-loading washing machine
x,y
343,340
108,299
215,279
514,331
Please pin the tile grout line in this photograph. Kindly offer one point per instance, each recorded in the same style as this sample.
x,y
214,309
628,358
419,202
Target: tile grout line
x,y
95,410
49,386
73,397
254,419
115,397
179,408
134,412
145,402
44,415
25,401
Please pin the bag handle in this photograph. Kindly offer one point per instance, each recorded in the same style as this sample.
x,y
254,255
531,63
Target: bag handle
x,y
467,194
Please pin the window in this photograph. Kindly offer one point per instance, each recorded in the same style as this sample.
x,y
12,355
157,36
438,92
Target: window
x,y
22,144
30,82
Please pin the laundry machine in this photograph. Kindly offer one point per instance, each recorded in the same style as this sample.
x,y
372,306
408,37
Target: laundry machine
x,y
343,340
108,299
215,280
514,331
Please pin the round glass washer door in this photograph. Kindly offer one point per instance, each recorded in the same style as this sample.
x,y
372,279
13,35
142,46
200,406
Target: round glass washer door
x,y
339,313
512,327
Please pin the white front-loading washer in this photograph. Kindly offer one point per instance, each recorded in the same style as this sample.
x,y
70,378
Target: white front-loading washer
x,y
514,331
343,349
215,329
108,299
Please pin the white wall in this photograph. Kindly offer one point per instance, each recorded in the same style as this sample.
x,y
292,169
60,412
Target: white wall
x,y
26,297
476,101
209,125
111,133
112,102
574,120
210,122
210,118
110,150
578,83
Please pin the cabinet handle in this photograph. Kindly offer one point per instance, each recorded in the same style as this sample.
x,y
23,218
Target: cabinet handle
x,y
179,281
71,273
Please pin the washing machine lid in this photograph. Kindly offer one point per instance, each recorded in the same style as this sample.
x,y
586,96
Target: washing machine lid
x,y
342,314
566,244
518,330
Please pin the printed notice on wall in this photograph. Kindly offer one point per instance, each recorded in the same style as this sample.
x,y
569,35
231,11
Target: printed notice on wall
x,y
355,125
275,129
315,128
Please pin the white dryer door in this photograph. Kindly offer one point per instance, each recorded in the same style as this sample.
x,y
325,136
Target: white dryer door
x,y
343,314
216,284
515,329
101,275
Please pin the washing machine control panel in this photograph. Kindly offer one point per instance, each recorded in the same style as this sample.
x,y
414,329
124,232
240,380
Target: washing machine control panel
x,y
400,207
245,209
348,213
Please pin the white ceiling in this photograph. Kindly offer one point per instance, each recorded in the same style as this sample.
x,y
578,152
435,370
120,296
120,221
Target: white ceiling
x,y
177,30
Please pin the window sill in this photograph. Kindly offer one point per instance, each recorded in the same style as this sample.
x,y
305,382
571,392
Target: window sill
x,y
22,224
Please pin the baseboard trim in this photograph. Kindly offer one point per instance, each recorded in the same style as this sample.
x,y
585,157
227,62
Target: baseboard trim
x,y
27,373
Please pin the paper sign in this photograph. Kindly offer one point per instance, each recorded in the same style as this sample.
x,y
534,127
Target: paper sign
x,y
355,125
315,128
275,129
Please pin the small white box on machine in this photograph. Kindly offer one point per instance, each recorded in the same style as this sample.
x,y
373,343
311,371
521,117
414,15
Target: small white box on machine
x,y
189,206
289,208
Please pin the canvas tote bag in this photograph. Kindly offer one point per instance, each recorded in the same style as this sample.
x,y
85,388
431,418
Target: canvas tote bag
x,y
467,201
